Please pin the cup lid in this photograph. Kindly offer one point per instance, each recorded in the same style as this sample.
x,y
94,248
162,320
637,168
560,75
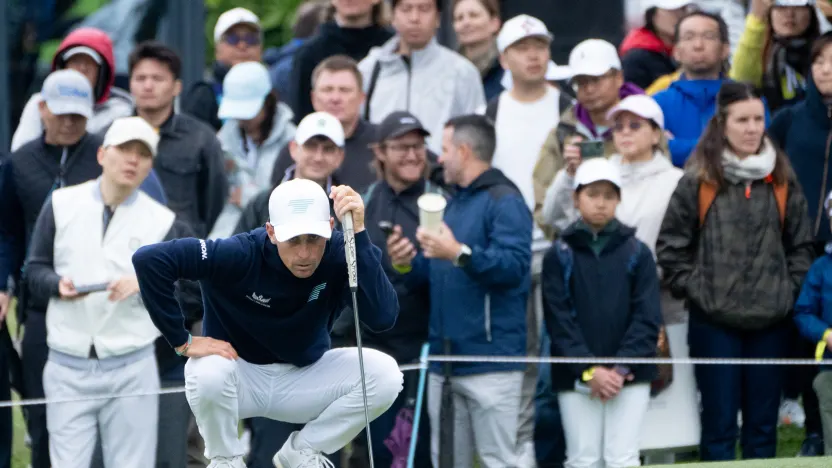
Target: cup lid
x,y
431,202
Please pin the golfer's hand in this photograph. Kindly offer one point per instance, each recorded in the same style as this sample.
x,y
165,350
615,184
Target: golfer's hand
x,y
123,288
202,346
346,199
399,248
442,245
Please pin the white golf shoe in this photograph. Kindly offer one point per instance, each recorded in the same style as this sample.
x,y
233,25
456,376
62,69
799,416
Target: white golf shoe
x,y
290,457
227,462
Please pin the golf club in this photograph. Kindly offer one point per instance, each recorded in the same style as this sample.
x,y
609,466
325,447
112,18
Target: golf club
x,y
352,271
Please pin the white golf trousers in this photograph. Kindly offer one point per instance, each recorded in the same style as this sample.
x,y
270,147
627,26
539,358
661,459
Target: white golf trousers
x,y
326,396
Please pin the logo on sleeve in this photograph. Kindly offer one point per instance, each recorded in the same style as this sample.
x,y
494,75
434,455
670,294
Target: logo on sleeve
x,y
259,299
204,249
316,291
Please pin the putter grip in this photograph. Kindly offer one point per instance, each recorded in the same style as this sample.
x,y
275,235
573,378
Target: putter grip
x,y
349,248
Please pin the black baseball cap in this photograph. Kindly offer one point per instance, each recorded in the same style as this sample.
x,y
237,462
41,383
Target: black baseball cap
x,y
399,123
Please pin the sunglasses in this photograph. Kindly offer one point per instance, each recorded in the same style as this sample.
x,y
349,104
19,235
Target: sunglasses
x,y
632,125
250,39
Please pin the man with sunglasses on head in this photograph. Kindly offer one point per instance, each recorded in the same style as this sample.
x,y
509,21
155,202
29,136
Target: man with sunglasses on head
x,y
238,38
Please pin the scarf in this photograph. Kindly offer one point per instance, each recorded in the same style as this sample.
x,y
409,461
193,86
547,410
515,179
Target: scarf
x,y
752,167
485,62
784,77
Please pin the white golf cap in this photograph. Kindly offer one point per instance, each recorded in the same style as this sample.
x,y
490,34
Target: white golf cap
x,y
519,28
793,3
126,129
244,90
298,207
82,50
232,18
667,4
595,170
641,105
593,57
68,92
320,124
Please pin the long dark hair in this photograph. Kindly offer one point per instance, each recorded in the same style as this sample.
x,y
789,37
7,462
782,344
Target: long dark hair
x,y
706,159
270,109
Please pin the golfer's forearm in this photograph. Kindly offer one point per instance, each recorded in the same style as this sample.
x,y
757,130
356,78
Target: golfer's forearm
x,y
378,304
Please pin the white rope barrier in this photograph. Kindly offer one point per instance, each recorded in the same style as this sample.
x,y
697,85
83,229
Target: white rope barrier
x,y
479,359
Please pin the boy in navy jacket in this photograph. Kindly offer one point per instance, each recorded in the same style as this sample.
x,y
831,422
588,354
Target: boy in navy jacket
x,y
601,299
271,296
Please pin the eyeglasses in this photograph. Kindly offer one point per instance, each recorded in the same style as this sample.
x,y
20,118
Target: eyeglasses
x,y
250,39
403,148
633,125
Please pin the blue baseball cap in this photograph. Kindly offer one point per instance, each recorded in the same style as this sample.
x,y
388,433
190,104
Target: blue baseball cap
x,y
244,90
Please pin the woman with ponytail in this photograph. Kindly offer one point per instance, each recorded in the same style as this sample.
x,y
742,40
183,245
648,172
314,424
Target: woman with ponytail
x,y
735,244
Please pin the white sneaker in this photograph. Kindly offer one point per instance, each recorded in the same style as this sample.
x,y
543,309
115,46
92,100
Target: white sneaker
x,y
290,457
227,462
792,414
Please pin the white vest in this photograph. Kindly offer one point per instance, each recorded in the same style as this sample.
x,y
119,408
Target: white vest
x,y
86,256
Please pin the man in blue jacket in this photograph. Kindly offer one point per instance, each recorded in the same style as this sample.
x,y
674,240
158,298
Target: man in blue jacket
x,y
479,269
271,296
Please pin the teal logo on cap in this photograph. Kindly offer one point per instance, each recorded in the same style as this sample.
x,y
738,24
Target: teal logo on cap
x,y
69,91
300,206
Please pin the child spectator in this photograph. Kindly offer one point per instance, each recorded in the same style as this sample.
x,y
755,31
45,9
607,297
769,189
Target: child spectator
x,y
602,407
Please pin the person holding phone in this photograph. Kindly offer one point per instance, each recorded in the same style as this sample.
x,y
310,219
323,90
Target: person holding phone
x,y
99,334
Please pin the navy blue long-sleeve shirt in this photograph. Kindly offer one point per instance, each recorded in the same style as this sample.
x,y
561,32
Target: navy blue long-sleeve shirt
x,y
255,303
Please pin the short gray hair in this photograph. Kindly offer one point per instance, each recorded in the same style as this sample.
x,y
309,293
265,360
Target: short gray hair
x,y
476,131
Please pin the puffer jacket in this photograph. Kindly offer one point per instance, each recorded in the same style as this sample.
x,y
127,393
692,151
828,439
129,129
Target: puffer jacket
x,y
740,269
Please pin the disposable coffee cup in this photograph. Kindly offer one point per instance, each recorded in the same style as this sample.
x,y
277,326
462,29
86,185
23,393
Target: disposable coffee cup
x,y
431,211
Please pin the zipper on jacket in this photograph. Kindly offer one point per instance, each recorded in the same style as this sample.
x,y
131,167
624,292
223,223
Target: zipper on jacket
x,y
819,214
488,317
409,67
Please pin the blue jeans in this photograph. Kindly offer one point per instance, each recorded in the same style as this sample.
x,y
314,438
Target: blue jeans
x,y
549,442
725,390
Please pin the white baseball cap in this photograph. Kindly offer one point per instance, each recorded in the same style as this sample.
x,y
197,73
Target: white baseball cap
x,y
667,4
519,28
320,124
641,105
232,18
595,170
127,129
298,207
68,92
593,57
244,90
82,50
793,3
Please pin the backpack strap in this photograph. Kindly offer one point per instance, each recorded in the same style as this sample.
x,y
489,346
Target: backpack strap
x,y
371,88
369,193
492,107
707,195
564,102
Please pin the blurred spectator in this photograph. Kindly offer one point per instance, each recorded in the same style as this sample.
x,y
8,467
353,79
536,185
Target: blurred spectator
x,y
352,28
317,149
688,97
485,275
190,161
602,407
802,131
476,23
337,90
307,20
595,71
90,52
774,49
257,126
237,39
64,155
812,316
735,244
413,72
101,341
647,52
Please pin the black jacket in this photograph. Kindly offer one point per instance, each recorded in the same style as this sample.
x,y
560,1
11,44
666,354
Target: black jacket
x,y
190,165
611,309
330,40
201,99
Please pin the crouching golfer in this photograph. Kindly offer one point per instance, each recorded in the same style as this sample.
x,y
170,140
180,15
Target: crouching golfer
x,y
271,296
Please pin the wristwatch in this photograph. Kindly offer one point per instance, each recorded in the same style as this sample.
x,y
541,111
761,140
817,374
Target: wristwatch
x,y
463,257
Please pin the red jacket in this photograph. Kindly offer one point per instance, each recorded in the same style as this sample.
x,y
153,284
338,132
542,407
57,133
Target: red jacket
x,y
98,41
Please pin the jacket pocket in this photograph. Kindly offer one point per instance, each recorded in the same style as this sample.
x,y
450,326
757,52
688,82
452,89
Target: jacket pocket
x,y
488,317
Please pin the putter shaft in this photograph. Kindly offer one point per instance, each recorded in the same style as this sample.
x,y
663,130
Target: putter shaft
x,y
363,380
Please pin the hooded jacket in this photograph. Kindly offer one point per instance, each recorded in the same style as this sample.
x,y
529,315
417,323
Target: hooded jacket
x,y
251,180
804,131
691,103
481,307
110,104
813,309
629,306
575,121
645,57
435,84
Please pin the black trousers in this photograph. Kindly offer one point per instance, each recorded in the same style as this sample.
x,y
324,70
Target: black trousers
x,y
35,353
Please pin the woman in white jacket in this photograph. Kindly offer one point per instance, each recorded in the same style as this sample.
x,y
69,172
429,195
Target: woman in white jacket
x,y
648,178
